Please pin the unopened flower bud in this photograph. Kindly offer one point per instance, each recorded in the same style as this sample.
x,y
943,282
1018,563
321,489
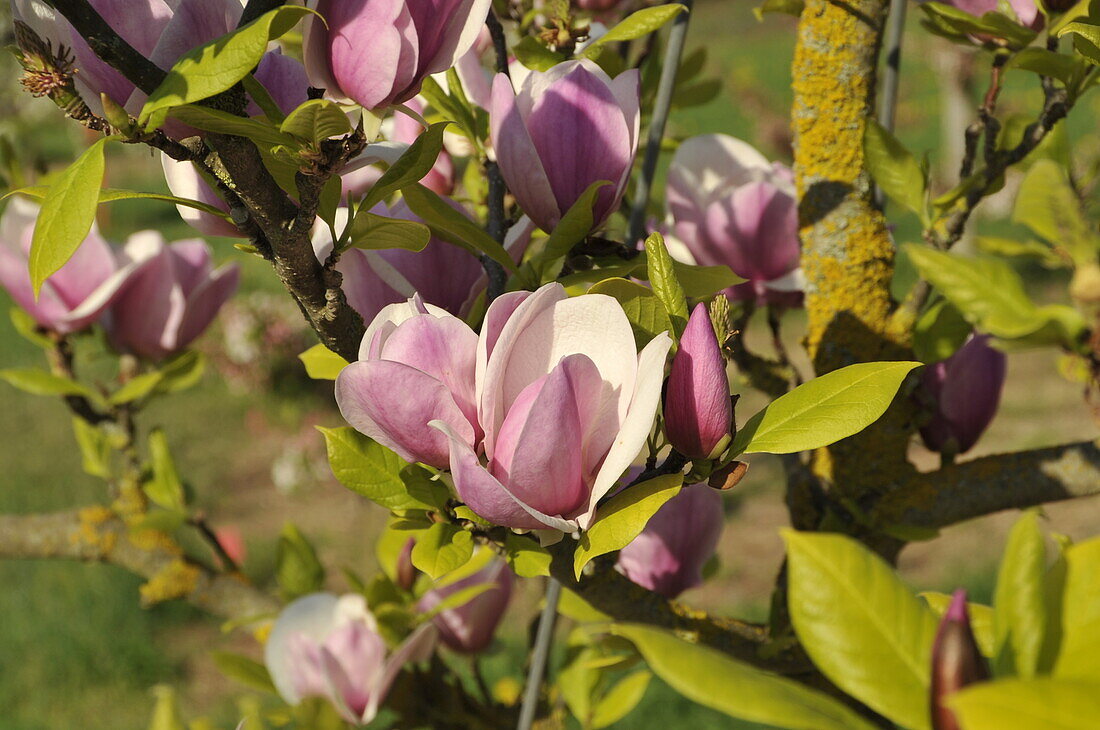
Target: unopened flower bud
x,y
698,411
406,571
956,661
966,389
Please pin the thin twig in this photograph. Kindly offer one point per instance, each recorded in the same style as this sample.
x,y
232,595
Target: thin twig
x,y
541,652
661,107
889,99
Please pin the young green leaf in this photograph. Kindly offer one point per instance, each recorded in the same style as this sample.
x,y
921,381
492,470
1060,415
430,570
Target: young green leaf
x,y
410,168
442,549
111,195
246,671
940,331
375,232
737,689
297,569
535,55
620,699
67,214
453,227
95,448
1048,206
894,168
27,328
317,120
40,382
1019,610
135,388
164,489
322,363
636,25
1043,703
368,468
623,517
571,230
525,556
824,410
861,625
216,66
644,310
1079,650
665,284
260,130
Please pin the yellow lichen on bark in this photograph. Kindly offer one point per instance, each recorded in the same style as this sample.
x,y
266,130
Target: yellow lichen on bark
x,y
177,579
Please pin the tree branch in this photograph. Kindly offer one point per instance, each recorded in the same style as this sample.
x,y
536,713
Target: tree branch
x,y
96,534
990,484
256,8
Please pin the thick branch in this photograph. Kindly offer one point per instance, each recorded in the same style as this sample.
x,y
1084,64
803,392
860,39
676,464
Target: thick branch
x,y
256,8
108,45
95,534
992,483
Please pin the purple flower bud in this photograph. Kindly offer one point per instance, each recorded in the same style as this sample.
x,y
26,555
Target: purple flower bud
x,y
170,299
563,130
469,628
956,661
328,646
698,411
966,389
75,296
378,52
731,207
669,555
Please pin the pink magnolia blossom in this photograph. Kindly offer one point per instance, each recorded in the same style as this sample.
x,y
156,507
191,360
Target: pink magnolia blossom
x,y
329,646
442,274
1024,12
966,388
698,411
561,131
669,554
170,299
560,401
378,52
75,296
469,628
731,207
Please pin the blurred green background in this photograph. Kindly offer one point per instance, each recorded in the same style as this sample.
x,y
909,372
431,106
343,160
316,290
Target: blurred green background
x,y
76,651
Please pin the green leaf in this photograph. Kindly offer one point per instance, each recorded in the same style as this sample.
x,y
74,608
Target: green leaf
x,y
1061,66
317,120
67,214
322,363
164,489
263,99
991,296
246,671
137,387
665,284
95,448
453,227
535,55
181,371
368,468
636,25
940,331
735,688
297,569
620,699
703,282
1041,252
217,66
525,556
620,520
111,195
1048,206
644,310
981,619
573,227
1079,652
260,130
442,549
861,625
40,382
789,7
410,168
27,327
1019,611
457,600
374,232
894,168
1043,703
824,410
166,711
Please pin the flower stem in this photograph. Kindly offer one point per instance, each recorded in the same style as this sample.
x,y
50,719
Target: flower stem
x,y
539,655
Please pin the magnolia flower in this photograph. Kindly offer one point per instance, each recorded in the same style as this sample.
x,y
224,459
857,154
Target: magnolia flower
x,y
442,274
731,207
698,412
956,661
1024,12
563,130
170,299
966,389
469,628
73,297
329,646
378,52
669,554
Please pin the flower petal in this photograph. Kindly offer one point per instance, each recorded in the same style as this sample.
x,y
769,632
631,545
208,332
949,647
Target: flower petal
x,y
313,616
